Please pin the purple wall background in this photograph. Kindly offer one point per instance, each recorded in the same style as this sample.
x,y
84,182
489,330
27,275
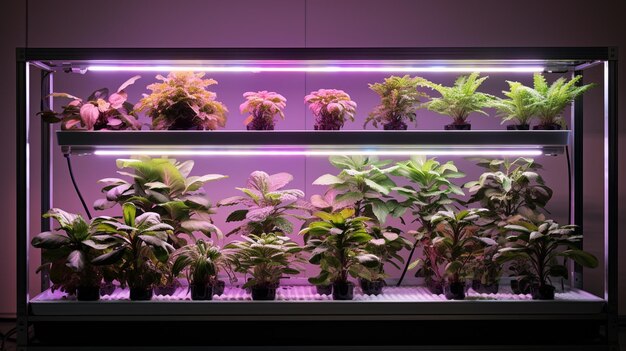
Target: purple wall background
x,y
284,23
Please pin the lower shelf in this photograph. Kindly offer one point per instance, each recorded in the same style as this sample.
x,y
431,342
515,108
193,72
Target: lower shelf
x,y
302,302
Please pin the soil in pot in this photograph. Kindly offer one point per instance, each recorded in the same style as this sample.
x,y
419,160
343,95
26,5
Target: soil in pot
x,y
263,292
481,288
166,290
395,125
327,123
343,291
107,288
201,292
88,293
460,126
552,126
542,292
141,294
260,124
372,287
454,290
518,127
435,287
324,289
218,287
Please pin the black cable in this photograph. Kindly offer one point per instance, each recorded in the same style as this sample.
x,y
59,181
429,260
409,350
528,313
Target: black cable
x,y
406,265
569,184
6,337
80,196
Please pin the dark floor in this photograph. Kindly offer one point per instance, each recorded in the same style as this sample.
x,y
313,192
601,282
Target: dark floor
x,y
6,325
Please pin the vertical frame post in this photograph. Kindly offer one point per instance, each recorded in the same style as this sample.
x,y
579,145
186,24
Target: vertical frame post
x,y
22,178
576,191
46,163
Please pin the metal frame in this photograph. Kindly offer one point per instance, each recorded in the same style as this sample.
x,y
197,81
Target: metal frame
x,y
576,58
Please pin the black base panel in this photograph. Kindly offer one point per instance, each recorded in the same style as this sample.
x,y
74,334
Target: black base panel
x,y
320,333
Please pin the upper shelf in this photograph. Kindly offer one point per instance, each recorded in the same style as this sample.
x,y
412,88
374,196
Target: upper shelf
x,y
299,142
319,59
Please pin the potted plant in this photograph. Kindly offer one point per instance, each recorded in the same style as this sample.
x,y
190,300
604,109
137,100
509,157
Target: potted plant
x,y
457,240
507,189
459,100
551,100
266,258
431,190
399,99
100,111
541,242
202,261
386,245
69,254
337,243
518,106
331,108
136,245
263,106
164,186
181,101
268,205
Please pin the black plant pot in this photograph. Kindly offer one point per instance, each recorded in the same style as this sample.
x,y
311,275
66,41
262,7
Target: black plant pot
x,y
552,126
260,124
395,125
372,287
485,288
460,126
435,287
518,127
201,292
326,127
107,288
218,287
520,287
454,290
88,293
324,289
542,292
343,291
165,290
141,294
263,293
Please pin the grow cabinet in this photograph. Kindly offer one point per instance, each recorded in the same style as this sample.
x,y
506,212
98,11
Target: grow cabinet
x,y
587,312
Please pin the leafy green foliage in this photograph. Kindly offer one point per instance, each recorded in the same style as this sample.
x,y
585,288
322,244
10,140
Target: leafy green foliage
x,y
181,101
399,99
266,258
268,205
518,106
337,243
551,100
366,184
135,245
458,241
386,244
459,100
541,242
202,262
69,253
164,186
100,111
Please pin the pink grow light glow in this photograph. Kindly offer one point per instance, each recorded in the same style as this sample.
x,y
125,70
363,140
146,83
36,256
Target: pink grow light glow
x,y
322,69
487,152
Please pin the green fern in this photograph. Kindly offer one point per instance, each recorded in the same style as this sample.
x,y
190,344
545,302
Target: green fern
x,y
459,100
518,105
551,100
399,99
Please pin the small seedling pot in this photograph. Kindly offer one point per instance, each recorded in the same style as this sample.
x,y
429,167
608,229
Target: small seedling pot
x,y
454,290
542,292
88,293
454,126
343,291
372,287
141,294
218,287
166,290
201,292
107,288
324,289
263,293
520,287
435,287
518,127
552,126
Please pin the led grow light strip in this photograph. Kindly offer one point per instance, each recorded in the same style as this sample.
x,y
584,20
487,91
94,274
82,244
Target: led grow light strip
x,y
517,152
254,69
